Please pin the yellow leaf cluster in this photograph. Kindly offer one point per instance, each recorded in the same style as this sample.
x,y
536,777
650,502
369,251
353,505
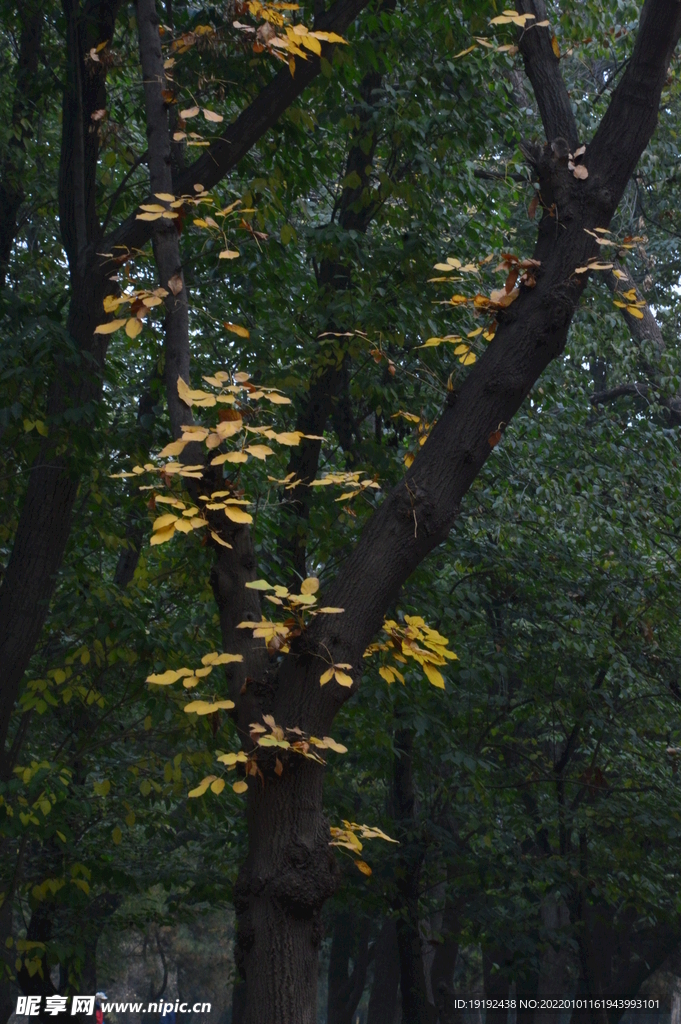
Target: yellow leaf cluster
x,y
338,672
192,676
415,640
350,838
351,480
141,300
276,634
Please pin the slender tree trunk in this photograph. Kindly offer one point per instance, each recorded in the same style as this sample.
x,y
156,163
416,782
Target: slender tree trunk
x,y
350,941
415,1006
26,97
383,999
444,962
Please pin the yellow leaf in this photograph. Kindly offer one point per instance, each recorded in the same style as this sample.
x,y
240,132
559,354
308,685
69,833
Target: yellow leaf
x,y
240,787
434,676
117,836
635,311
290,438
226,659
148,216
152,208
333,745
165,196
184,391
167,677
310,585
387,674
432,343
330,37
409,460
555,47
110,327
463,53
243,332
202,786
312,44
580,172
229,254
276,399
174,448
342,678
330,611
237,515
111,302
469,359
189,112
259,451
205,707
133,327
326,676
163,522
593,266
363,867
229,457
259,585
216,537
162,536
210,115
218,786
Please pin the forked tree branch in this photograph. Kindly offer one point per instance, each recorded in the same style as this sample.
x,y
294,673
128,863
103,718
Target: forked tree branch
x,y
240,136
418,514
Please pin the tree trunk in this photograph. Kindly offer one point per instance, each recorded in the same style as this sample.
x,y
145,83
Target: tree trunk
x,y
383,999
415,1006
288,875
444,962
26,97
350,941
496,981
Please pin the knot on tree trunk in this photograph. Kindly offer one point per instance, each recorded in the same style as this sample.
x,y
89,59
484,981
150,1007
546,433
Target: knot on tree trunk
x,y
306,878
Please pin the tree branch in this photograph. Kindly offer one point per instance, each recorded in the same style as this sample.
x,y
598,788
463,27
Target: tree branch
x,y
165,238
418,514
257,119
543,71
631,117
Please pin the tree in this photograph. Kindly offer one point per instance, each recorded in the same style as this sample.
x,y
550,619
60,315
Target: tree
x,y
289,871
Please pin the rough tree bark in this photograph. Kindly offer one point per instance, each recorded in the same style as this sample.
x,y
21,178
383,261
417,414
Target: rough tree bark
x,y
289,871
